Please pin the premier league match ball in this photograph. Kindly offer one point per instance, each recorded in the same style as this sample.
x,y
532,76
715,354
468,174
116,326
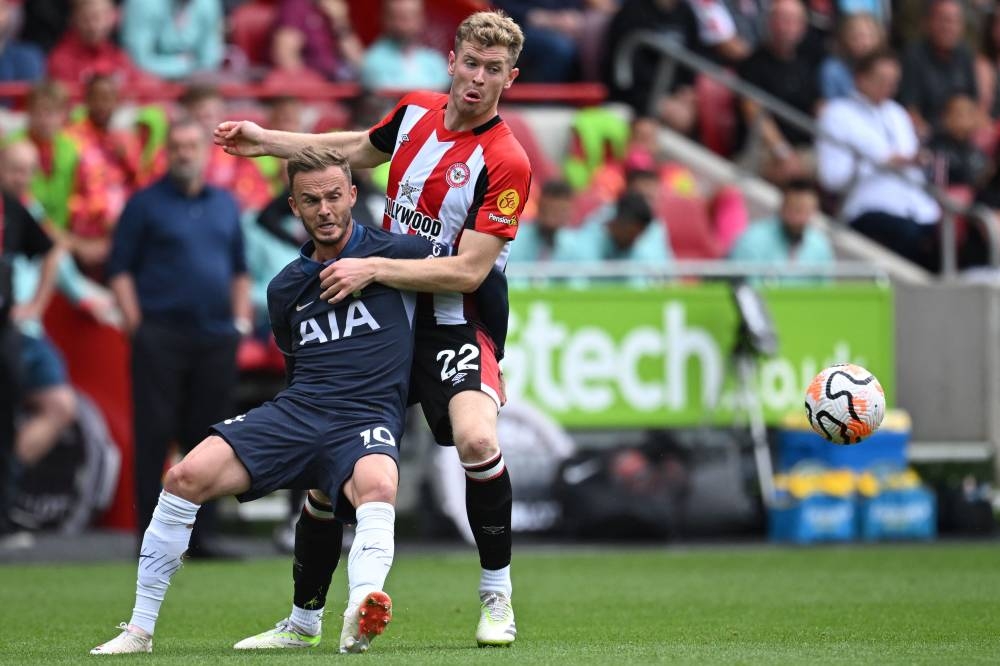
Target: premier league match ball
x,y
845,403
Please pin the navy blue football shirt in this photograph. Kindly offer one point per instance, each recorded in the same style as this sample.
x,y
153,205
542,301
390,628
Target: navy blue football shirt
x,y
356,354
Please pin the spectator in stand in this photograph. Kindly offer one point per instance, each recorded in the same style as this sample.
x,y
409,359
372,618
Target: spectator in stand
x,y
20,235
173,39
19,61
178,271
317,35
988,68
398,60
729,27
784,67
957,161
643,156
938,67
55,182
552,33
674,107
88,49
857,36
49,403
18,164
242,177
107,174
790,239
868,151
975,250
537,239
626,231
44,22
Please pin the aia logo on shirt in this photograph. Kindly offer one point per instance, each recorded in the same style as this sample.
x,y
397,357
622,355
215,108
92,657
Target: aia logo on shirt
x,y
457,174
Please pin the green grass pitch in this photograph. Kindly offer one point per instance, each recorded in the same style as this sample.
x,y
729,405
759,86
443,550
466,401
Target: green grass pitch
x,y
907,604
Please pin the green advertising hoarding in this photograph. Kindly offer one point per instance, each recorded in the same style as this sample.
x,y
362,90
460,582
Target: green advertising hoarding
x,y
611,356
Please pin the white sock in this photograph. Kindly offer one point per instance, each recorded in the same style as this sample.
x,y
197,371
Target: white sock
x,y
496,580
371,553
164,542
309,621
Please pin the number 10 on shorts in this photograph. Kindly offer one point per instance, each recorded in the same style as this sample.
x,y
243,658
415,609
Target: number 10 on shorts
x,y
378,436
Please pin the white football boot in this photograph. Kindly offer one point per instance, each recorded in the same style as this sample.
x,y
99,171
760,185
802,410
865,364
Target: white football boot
x,y
131,640
496,620
284,635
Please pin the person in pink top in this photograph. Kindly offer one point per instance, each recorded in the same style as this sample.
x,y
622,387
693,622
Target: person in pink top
x,y
317,35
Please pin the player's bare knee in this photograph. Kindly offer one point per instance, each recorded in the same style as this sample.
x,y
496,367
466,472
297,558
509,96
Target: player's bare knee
x,y
377,490
474,448
184,481
375,479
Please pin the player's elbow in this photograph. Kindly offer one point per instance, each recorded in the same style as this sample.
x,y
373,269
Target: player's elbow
x,y
471,278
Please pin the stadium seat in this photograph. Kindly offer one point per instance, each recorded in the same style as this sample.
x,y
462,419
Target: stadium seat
x,y
331,116
717,120
255,355
543,169
250,28
730,216
689,226
585,203
965,196
302,82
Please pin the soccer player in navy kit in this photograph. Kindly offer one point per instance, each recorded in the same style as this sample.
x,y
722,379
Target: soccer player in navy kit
x,y
458,176
335,428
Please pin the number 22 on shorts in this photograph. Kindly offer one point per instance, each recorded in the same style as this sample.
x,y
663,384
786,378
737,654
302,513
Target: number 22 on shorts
x,y
466,354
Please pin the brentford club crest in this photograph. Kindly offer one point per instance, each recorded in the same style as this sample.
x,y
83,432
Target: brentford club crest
x,y
457,174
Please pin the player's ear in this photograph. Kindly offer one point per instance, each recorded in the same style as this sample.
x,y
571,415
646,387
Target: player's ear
x,y
295,209
354,195
451,63
514,71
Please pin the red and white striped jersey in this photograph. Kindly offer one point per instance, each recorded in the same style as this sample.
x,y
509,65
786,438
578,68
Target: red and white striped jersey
x,y
443,182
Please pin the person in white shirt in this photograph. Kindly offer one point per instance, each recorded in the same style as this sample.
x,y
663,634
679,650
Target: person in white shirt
x,y
868,151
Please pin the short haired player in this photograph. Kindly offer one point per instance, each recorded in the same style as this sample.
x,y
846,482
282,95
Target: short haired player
x,y
334,428
458,176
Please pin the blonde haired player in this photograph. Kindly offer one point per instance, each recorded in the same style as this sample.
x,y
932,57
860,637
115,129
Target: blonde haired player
x,y
459,177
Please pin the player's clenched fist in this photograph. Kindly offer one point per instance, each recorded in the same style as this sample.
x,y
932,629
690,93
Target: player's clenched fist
x,y
241,137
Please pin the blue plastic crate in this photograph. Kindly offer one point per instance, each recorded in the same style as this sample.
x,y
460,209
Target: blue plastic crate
x,y
898,514
888,446
818,518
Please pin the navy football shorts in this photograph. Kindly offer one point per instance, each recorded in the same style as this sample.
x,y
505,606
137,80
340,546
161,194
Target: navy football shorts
x,y
292,443
446,361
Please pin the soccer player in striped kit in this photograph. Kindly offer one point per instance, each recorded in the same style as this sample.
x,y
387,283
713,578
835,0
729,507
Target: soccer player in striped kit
x,y
457,176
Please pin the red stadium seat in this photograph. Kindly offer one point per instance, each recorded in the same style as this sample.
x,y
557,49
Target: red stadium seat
x,y
251,26
717,120
332,116
689,226
543,168
585,203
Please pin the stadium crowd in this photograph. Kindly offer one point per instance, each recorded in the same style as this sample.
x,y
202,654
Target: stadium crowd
x,y
80,145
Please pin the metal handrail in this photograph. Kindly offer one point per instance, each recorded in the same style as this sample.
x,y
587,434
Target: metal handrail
x,y
672,52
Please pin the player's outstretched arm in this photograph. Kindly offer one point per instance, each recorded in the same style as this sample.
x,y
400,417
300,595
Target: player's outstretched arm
x,y
248,139
464,272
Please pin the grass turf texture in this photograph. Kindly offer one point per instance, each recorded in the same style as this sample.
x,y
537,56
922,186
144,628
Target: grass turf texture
x,y
919,604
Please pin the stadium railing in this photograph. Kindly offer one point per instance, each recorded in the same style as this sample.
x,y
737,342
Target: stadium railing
x,y
672,54
571,94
